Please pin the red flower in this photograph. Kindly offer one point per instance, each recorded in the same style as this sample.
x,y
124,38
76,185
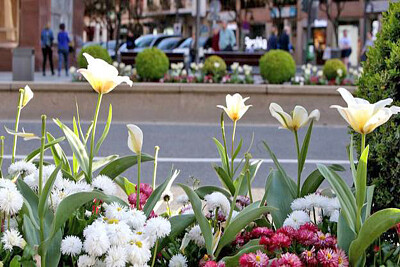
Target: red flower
x,y
328,258
211,264
280,240
306,237
257,259
309,226
287,260
343,261
398,228
376,248
325,240
287,230
265,241
309,257
261,231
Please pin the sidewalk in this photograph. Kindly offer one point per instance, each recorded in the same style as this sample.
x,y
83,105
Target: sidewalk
x,y
6,76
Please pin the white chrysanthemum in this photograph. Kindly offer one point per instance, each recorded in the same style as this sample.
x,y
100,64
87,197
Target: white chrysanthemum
x,y
86,261
10,201
178,260
118,233
296,219
196,236
8,184
105,184
116,211
167,196
33,179
334,217
314,201
218,200
138,252
96,240
72,187
156,228
116,257
299,204
23,167
331,205
96,227
56,197
136,219
12,238
71,246
182,200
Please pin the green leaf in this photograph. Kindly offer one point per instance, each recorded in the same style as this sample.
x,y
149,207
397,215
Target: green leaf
x,y
368,204
239,223
53,254
238,149
233,261
46,192
373,227
59,155
76,146
344,194
155,198
36,152
31,201
315,179
125,184
75,164
208,189
105,132
200,218
31,234
72,202
277,194
351,158
179,223
304,147
120,165
226,181
361,181
344,234
223,155
15,261
290,183
254,166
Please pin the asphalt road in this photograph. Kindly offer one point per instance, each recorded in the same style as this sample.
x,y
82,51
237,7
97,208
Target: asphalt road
x,y
190,148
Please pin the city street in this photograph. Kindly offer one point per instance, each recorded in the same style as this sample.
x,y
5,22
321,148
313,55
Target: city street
x,y
190,148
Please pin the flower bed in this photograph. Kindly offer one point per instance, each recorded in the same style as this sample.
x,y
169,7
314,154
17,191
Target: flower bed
x,y
85,213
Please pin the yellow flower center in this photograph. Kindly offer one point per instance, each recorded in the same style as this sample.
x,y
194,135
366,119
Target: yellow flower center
x,y
119,209
309,253
139,233
322,237
139,244
111,221
205,257
329,256
258,258
340,260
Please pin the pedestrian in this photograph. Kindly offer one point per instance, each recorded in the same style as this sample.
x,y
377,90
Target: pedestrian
x,y
46,40
130,40
284,40
273,39
215,39
227,39
345,47
63,49
369,42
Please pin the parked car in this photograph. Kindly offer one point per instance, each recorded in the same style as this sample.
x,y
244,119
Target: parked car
x,y
184,47
145,41
168,44
109,45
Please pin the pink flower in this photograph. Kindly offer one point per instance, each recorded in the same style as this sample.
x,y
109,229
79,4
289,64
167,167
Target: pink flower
x,y
306,237
257,259
343,261
309,258
242,202
146,189
280,240
328,258
310,227
287,260
132,200
287,230
261,231
325,240
211,264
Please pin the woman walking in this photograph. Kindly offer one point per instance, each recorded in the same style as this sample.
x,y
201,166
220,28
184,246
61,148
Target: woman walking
x,y
63,49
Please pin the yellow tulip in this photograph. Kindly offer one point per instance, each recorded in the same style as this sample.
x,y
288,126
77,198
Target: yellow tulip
x,y
235,107
28,95
102,76
293,122
363,116
135,138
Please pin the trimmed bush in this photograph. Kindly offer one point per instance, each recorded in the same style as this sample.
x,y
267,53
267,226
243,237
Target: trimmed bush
x,y
380,80
151,64
95,51
209,66
277,66
331,67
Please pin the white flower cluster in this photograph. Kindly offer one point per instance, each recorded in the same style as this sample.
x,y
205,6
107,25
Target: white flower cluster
x,y
309,69
247,69
123,69
298,79
315,202
11,199
218,201
356,72
21,167
195,67
178,260
122,236
296,219
236,68
12,238
178,69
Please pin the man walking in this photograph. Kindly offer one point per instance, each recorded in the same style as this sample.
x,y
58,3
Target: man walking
x,y
227,39
46,40
272,40
284,40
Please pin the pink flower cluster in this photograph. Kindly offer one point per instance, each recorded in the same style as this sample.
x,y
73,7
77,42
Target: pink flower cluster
x,y
306,246
145,192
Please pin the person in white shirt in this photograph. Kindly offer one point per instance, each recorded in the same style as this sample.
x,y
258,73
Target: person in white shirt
x,y
345,46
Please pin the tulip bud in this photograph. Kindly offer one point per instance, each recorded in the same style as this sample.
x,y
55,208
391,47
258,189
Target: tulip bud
x,y
27,96
135,138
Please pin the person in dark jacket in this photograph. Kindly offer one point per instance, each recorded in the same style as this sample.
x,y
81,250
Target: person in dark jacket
x,y
284,39
63,49
272,40
215,38
46,41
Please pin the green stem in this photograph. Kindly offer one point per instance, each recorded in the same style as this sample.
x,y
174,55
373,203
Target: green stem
x,y
233,145
1,154
156,149
41,219
315,217
224,140
362,143
249,186
155,254
14,148
8,221
216,220
169,210
139,159
296,138
96,115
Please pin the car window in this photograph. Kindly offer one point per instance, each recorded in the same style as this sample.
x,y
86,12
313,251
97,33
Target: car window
x,y
168,44
144,41
186,43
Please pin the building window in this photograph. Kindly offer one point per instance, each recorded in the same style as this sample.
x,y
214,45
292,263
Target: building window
x,y
252,3
9,22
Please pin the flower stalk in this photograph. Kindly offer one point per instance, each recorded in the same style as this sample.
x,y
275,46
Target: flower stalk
x,y
233,145
155,254
1,154
139,159
156,149
41,219
296,138
96,115
19,108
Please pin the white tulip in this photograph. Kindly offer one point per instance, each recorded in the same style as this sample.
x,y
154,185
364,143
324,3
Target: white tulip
x,y
295,121
135,138
362,116
28,95
235,107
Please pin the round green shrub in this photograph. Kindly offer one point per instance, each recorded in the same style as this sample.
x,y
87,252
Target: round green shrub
x,y
209,66
151,64
277,66
95,51
331,66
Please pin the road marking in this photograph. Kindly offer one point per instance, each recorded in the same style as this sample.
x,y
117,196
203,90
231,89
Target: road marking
x,y
213,160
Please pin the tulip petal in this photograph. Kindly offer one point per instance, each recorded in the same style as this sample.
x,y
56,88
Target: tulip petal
x,y
91,79
314,115
125,79
100,67
135,138
300,117
342,112
347,96
395,109
379,118
28,95
277,112
381,104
